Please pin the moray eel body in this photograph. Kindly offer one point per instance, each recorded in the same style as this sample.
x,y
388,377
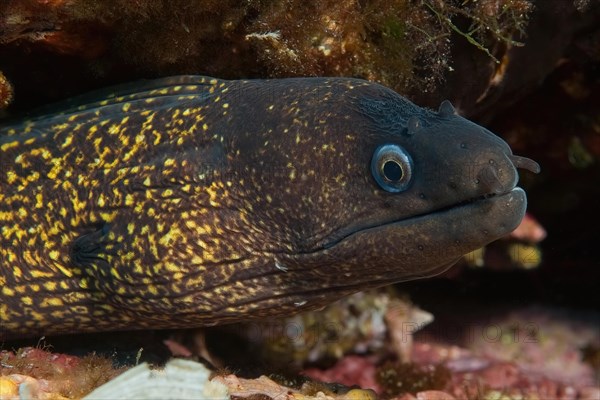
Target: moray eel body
x,y
191,201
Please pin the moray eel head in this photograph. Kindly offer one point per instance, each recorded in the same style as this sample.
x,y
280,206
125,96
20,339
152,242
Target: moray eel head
x,y
403,192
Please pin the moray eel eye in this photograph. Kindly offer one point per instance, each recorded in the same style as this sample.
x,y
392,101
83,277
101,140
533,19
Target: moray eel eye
x,y
391,167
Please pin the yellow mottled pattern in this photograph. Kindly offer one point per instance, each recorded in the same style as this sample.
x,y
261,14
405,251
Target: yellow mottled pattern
x,y
133,210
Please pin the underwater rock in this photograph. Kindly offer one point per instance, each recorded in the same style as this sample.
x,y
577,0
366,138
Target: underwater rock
x,y
541,342
373,322
38,373
349,370
485,89
116,40
479,42
397,378
266,388
6,92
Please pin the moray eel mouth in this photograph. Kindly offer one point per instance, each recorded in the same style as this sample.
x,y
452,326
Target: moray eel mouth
x,y
474,201
503,203
515,203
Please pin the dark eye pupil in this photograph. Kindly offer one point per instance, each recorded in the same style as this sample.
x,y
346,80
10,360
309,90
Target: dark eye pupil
x,y
392,171
391,168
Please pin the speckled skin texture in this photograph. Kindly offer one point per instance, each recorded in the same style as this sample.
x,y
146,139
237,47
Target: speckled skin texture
x,y
192,201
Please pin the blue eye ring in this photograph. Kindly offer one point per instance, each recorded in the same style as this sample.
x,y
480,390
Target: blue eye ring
x,y
391,167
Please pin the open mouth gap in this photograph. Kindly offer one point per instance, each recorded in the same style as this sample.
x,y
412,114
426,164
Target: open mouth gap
x,y
469,201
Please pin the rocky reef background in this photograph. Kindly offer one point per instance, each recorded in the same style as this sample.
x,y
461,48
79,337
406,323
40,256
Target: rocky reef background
x,y
528,70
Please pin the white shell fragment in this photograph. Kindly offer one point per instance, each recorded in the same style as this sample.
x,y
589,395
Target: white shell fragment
x,y
180,379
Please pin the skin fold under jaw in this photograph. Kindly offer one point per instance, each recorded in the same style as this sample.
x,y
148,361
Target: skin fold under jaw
x,y
192,201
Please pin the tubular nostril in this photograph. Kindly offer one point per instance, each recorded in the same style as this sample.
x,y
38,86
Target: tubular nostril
x,y
524,163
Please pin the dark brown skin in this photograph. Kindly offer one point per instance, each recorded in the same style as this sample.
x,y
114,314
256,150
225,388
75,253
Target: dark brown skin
x,y
191,201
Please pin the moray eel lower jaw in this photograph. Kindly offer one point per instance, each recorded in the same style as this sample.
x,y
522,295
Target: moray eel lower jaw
x,y
454,230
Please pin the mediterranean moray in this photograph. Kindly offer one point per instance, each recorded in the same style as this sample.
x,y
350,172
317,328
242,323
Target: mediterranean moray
x,y
191,201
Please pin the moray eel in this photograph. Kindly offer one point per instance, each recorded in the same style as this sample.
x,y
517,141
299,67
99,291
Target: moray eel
x,y
192,201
